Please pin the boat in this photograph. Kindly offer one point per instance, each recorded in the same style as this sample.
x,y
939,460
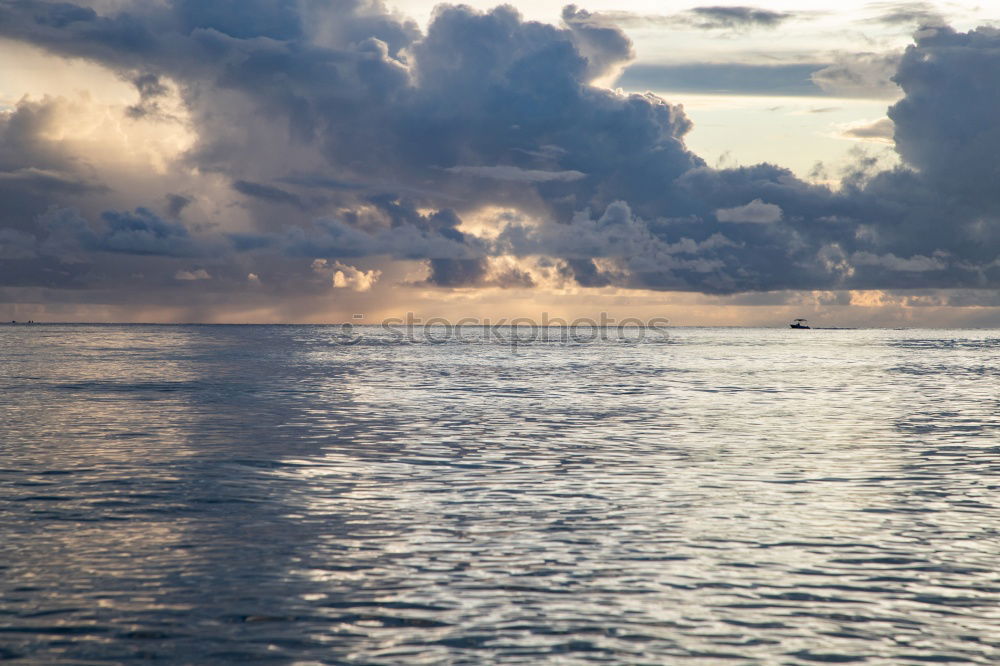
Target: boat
x,y
800,323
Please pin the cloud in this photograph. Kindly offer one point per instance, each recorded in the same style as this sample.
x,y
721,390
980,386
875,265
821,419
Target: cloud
x,y
16,245
34,179
343,276
908,13
517,174
267,193
629,249
176,203
388,227
724,78
458,272
338,133
150,90
348,277
481,272
140,232
34,172
915,264
736,17
863,75
191,276
755,212
881,130
946,123
600,41
507,276
732,18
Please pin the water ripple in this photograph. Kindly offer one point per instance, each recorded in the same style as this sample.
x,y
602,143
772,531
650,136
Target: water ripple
x,y
233,494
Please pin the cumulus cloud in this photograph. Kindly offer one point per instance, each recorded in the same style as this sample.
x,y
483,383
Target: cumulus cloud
x,y
343,276
946,124
600,41
34,172
629,249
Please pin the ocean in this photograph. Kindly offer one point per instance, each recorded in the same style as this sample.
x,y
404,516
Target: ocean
x,y
312,495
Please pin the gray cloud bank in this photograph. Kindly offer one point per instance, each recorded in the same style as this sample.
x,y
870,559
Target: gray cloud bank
x,y
858,75
706,17
397,137
798,79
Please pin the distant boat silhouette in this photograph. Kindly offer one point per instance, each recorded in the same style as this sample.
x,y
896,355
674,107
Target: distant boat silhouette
x,y
799,323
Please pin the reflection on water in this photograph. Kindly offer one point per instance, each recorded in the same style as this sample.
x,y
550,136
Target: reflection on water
x,y
233,494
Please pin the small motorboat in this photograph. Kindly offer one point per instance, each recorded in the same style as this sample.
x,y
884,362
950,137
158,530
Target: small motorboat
x,y
800,323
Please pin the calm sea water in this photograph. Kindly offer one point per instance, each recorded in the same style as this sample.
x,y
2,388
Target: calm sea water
x,y
237,494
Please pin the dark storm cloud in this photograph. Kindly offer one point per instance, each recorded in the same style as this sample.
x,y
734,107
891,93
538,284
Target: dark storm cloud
x,y
243,19
27,156
78,31
487,109
494,91
946,125
491,92
388,227
457,272
601,42
34,174
138,232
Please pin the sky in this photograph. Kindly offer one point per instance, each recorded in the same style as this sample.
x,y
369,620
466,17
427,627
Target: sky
x,y
274,161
